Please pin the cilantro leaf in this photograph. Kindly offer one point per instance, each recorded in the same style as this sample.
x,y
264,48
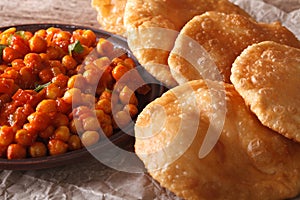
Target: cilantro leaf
x,y
75,47
40,87
21,34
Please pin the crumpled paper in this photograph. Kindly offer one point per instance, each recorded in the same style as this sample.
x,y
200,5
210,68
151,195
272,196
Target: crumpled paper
x,y
91,179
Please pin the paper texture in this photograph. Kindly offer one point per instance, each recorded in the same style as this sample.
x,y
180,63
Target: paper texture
x,y
93,180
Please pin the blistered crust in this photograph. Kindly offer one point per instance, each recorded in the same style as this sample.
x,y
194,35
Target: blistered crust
x,y
223,37
249,161
168,14
267,75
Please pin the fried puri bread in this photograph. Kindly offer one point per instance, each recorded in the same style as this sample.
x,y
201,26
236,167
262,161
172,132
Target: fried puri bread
x,y
152,27
267,75
110,15
249,160
220,38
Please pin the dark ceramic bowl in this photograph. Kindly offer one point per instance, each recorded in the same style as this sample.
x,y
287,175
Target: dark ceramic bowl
x,y
119,138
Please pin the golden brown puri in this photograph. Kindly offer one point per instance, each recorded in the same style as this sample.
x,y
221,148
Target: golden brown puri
x,y
110,15
249,161
223,37
167,15
267,75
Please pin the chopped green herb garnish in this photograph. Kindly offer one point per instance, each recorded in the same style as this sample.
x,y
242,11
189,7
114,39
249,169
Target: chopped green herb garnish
x,y
40,87
75,47
21,34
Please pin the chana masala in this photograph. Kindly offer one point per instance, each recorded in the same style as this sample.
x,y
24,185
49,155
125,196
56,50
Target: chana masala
x,y
52,100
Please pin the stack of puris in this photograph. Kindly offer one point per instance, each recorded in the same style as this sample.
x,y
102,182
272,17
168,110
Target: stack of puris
x,y
238,97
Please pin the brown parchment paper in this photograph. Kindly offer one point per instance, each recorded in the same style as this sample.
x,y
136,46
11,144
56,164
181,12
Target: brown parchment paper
x,y
91,179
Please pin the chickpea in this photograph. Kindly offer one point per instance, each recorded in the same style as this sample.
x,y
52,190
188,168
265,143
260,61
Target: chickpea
x,y
85,37
106,119
11,73
91,77
107,130
60,120
74,142
117,107
16,151
55,53
105,105
55,71
33,60
47,106
25,137
130,63
90,66
82,112
122,119
9,54
42,33
37,44
38,149
26,76
106,94
90,124
88,100
104,47
131,109
77,81
57,147
6,34
19,44
72,96
62,39
45,75
76,126
99,114
102,62
17,64
60,80
29,128
69,62
116,61
119,71
45,58
39,121
89,138
62,106
6,86
47,133
53,91
62,133
6,135
127,96
90,37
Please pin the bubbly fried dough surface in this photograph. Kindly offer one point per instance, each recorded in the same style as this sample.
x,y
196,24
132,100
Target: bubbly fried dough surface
x,y
221,37
267,75
110,15
249,161
152,47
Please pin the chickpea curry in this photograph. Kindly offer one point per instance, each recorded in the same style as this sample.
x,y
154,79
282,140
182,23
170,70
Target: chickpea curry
x,y
51,99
